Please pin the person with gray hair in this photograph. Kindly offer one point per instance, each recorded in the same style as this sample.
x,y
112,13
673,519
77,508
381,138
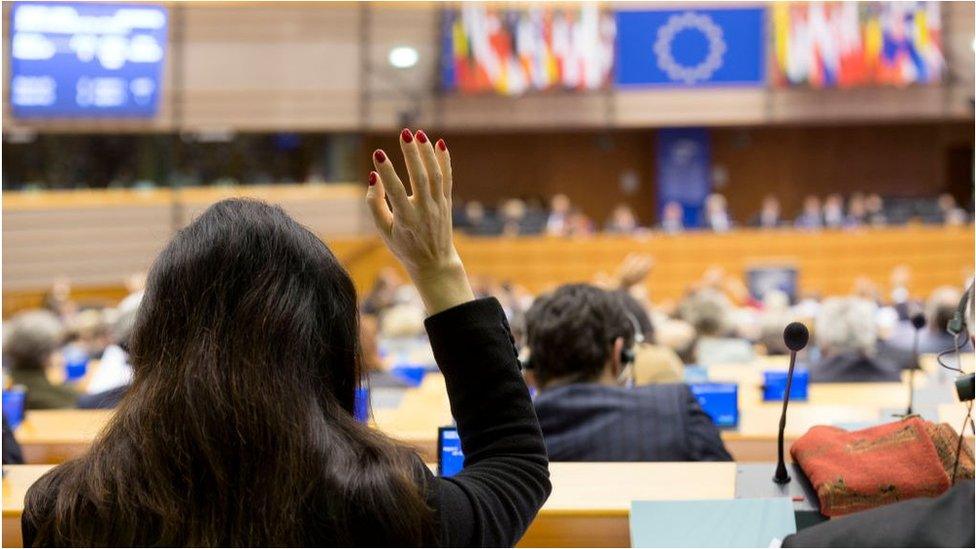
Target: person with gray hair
x,y
111,380
31,341
847,337
710,312
934,337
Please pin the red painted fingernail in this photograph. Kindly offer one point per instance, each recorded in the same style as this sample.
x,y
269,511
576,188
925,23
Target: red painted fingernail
x,y
441,145
406,136
421,136
372,178
380,156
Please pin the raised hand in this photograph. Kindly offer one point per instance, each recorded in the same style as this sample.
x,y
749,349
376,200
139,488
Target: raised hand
x,y
418,228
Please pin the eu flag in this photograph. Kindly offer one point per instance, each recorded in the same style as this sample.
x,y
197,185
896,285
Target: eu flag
x,y
691,47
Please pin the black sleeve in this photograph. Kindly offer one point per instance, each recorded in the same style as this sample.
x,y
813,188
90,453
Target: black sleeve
x,y
704,438
945,521
505,479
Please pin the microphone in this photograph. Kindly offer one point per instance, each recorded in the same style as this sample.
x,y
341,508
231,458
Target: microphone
x,y
918,321
796,337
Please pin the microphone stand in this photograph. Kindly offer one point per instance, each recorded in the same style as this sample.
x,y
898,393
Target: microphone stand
x,y
781,476
911,375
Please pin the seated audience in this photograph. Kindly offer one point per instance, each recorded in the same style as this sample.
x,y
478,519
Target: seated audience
x,y
874,210
31,345
109,383
673,218
513,213
833,211
622,221
579,340
769,215
934,337
559,222
856,212
58,299
949,213
239,429
811,217
716,217
847,338
709,312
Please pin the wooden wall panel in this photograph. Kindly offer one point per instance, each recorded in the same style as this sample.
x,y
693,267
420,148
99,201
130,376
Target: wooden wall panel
x,y
791,162
99,238
586,165
290,66
269,66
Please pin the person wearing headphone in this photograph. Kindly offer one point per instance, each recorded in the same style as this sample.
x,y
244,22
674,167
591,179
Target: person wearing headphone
x,y
580,342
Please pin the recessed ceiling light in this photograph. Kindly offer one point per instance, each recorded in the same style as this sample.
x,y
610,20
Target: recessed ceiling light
x,y
403,57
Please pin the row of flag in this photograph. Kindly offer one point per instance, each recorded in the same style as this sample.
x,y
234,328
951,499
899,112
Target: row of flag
x,y
845,44
511,51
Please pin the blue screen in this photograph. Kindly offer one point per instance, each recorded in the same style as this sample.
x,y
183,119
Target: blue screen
x,y
720,401
774,385
450,457
86,60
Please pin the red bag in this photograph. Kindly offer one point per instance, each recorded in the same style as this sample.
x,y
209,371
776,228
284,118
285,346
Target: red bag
x,y
858,470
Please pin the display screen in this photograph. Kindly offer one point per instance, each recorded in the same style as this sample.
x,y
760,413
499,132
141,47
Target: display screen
x,y
79,60
720,401
774,385
849,44
763,280
450,458
511,51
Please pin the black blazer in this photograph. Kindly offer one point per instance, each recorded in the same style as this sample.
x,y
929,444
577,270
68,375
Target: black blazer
x,y
945,521
506,474
591,422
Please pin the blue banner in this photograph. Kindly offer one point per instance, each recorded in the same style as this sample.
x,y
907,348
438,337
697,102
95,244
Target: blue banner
x,y
86,60
684,171
719,47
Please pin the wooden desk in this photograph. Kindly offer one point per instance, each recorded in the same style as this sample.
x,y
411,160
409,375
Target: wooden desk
x,y
589,505
16,480
54,436
590,502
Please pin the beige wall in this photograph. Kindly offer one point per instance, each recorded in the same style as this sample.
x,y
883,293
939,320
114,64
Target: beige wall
x,y
304,66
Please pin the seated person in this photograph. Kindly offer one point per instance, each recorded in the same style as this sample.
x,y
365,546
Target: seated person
x,y
111,380
934,337
653,363
710,312
577,337
32,340
239,428
847,337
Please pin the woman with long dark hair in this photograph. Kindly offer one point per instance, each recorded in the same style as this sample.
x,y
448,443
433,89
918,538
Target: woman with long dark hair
x,y
238,428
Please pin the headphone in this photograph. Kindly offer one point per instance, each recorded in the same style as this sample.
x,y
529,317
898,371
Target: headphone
x,y
628,355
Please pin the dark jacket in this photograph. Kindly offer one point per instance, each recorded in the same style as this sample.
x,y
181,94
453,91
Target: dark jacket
x,y
506,475
41,393
104,400
12,455
945,521
853,367
591,422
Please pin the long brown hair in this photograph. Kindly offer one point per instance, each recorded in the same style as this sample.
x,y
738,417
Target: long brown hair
x,y
238,427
